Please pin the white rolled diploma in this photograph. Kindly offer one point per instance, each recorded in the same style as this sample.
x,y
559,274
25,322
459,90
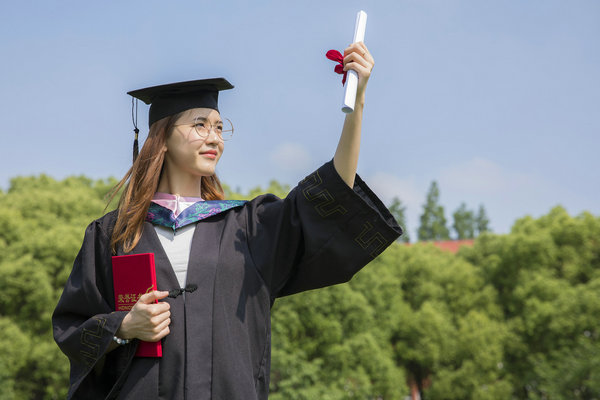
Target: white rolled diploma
x,y
352,78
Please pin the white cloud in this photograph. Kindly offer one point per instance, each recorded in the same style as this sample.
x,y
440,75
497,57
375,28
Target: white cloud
x,y
387,186
507,194
292,157
483,177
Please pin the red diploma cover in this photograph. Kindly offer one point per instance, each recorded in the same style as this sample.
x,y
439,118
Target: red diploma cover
x,y
133,276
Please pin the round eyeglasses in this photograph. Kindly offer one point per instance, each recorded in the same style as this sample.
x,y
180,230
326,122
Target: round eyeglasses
x,y
202,128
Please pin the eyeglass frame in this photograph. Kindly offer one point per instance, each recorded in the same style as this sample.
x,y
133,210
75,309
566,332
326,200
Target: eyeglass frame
x,y
211,129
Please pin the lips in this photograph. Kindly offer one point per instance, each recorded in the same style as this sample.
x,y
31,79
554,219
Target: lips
x,y
209,154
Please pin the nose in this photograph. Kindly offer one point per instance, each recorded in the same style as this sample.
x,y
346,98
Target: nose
x,y
213,136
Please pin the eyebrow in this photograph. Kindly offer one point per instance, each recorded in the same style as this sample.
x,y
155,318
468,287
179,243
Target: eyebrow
x,y
206,119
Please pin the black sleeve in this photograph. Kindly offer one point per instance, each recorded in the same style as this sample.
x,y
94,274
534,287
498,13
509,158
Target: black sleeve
x,y
84,322
321,234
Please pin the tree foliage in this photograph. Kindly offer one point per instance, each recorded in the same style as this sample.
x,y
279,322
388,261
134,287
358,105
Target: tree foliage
x,y
514,316
468,224
433,221
547,276
398,210
464,222
482,221
42,221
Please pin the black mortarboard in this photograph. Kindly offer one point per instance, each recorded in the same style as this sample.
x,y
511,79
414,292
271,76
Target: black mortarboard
x,y
173,98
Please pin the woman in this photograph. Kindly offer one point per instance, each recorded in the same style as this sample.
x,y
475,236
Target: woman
x,y
230,259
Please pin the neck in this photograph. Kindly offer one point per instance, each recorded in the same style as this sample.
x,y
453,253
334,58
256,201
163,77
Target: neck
x,y
180,184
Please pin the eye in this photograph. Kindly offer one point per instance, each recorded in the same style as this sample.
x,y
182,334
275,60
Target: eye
x,y
219,128
199,125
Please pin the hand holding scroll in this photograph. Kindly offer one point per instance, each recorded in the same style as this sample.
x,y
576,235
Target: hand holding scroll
x,y
358,59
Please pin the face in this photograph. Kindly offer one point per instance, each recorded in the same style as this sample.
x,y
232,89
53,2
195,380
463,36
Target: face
x,y
186,151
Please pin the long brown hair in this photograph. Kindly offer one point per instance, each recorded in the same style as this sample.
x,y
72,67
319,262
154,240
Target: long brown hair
x,y
140,183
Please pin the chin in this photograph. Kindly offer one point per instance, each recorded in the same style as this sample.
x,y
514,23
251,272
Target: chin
x,y
206,171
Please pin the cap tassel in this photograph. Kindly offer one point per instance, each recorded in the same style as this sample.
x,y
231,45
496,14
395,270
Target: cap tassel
x,y
135,128
135,144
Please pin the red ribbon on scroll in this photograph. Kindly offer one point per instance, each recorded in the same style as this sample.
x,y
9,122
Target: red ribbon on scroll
x,y
335,55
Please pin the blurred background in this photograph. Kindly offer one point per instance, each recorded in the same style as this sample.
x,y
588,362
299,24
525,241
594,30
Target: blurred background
x,y
481,121
496,101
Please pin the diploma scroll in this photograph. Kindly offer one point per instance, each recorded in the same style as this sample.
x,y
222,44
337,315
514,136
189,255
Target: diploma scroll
x,y
352,79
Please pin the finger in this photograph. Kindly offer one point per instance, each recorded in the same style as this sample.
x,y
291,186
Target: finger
x,y
363,47
364,60
366,54
161,327
157,308
154,295
354,57
360,70
160,318
358,47
160,335
363,74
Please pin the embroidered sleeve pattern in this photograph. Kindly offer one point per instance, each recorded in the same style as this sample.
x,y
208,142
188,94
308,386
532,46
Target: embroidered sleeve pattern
x,y
90,338
371,240
324,202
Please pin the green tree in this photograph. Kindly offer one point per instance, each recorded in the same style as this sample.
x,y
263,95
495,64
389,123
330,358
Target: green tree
x,y
571,373
16,346
439,316
43,222
398,210
481,220
276,188
326,345
433,221
514,316
464,222
547,276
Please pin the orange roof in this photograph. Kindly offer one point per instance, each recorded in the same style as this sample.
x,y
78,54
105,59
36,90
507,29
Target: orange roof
x,y
453,245
450,245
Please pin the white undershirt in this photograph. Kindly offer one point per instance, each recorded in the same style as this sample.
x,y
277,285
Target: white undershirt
x,y
177,244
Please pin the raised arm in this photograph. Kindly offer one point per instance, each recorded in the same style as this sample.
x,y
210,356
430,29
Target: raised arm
x,y
357,58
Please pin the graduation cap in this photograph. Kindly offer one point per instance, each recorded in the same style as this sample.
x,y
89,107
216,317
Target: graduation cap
x,y
173,98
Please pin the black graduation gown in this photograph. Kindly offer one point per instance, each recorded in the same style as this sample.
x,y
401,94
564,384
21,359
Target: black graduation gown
x,y
219,343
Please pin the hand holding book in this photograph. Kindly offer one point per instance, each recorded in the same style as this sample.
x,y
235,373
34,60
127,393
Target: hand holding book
x,y
148,321
134,279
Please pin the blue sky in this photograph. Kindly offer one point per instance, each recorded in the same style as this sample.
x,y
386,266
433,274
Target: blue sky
x,y
496,100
